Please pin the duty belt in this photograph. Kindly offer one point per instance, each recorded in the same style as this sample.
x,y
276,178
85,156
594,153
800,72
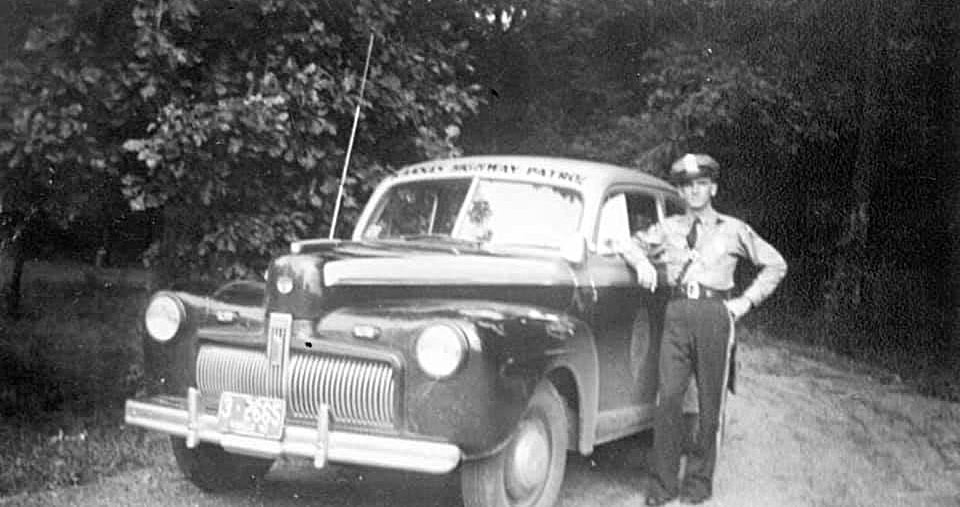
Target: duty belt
x,y
694,290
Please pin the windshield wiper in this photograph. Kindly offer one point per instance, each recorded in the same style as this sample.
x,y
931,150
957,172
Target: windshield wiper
x,y
444,239
433,237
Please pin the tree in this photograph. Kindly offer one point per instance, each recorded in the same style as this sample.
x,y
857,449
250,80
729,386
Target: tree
x,y
828,132
257,100
231,115
847,286
60,114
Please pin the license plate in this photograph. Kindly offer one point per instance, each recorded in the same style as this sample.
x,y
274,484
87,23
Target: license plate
x,y
254,416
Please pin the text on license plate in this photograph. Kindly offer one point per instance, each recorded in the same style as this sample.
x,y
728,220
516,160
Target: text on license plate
x,y
255,416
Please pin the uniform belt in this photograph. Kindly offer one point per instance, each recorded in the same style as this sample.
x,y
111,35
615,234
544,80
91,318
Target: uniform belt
x,y
697,291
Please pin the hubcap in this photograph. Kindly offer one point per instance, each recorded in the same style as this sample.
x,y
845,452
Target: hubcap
x,y
529,460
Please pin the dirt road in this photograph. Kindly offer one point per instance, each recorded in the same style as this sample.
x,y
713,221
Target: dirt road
x,y
799,433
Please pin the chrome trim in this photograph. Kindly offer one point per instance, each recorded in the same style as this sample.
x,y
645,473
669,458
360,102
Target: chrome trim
x,y
286,370
193,408
297,246
366,332
172,417
239,370
462,212
279,329
181,314
359,392
323,437
284,284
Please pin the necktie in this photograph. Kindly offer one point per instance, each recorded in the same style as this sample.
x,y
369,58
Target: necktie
x,y
692,235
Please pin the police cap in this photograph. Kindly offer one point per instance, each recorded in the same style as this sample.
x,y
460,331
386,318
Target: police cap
x,y
692,166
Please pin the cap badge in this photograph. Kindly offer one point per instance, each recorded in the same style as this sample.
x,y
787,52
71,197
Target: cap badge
x,y
690,164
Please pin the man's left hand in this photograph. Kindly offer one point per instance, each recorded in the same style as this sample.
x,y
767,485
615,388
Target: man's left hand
x,y
738,307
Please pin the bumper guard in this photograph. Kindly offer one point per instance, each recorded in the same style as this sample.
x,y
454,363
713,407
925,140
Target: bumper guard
x,y
183,418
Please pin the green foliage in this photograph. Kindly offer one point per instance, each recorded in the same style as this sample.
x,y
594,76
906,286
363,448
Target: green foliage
x,y
258,103
52,112
637,83
232,115
777,92
694,90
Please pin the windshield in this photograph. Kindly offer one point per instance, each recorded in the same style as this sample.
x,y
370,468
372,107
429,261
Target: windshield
x,y
498,212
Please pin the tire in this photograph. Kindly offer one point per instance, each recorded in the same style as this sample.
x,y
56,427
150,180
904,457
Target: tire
x,y
539,442
213,469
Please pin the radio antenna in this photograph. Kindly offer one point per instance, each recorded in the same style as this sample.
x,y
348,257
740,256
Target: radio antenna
x,y
353,133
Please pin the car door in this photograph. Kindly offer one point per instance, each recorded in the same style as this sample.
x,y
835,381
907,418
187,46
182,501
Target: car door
x,y
627,343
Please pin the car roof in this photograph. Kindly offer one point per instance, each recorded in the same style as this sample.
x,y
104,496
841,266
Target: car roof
x,y
588,176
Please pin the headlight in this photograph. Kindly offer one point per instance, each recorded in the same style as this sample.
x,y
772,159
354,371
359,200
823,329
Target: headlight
x,y
163,317
440,350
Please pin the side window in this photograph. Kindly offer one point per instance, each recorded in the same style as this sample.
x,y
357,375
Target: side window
x,y
614,223
643,211
623,214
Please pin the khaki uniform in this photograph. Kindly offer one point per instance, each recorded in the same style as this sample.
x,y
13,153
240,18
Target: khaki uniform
x,y
698,330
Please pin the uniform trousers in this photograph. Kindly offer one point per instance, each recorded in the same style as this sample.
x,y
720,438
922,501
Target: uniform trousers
x,y
697,339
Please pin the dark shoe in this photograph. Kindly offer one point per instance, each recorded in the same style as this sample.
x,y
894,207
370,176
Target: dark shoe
x,y
658,495
659,498
694,495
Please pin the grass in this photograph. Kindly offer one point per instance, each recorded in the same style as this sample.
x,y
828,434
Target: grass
x,y
65,369
74,450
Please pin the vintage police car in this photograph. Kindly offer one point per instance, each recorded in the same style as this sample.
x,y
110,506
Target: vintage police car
x,y
479,321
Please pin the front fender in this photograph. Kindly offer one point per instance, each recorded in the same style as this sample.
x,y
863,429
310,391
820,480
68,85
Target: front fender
x,y
233,314
511,349
170,367
528,351
576,376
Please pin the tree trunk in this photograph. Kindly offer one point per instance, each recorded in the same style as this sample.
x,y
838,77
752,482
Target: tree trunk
x,y
846,289
12,259
169,267
165,269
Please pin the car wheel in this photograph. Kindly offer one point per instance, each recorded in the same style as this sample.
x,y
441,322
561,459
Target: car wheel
x,y
213,469
528,472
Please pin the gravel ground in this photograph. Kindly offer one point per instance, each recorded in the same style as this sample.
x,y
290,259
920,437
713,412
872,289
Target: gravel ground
x,y
799,433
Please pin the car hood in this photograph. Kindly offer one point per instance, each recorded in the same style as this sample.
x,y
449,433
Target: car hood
x,y
358,273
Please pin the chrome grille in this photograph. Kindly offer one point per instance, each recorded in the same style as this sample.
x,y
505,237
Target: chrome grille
x,y
358,391
241,371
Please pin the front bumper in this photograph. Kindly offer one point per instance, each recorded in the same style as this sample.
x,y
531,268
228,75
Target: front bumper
x,y
182,417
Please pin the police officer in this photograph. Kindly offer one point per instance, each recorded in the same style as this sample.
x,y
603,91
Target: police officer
x,y
698,252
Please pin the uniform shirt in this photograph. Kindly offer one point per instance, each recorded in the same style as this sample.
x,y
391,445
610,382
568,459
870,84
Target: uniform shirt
x,y
721,241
